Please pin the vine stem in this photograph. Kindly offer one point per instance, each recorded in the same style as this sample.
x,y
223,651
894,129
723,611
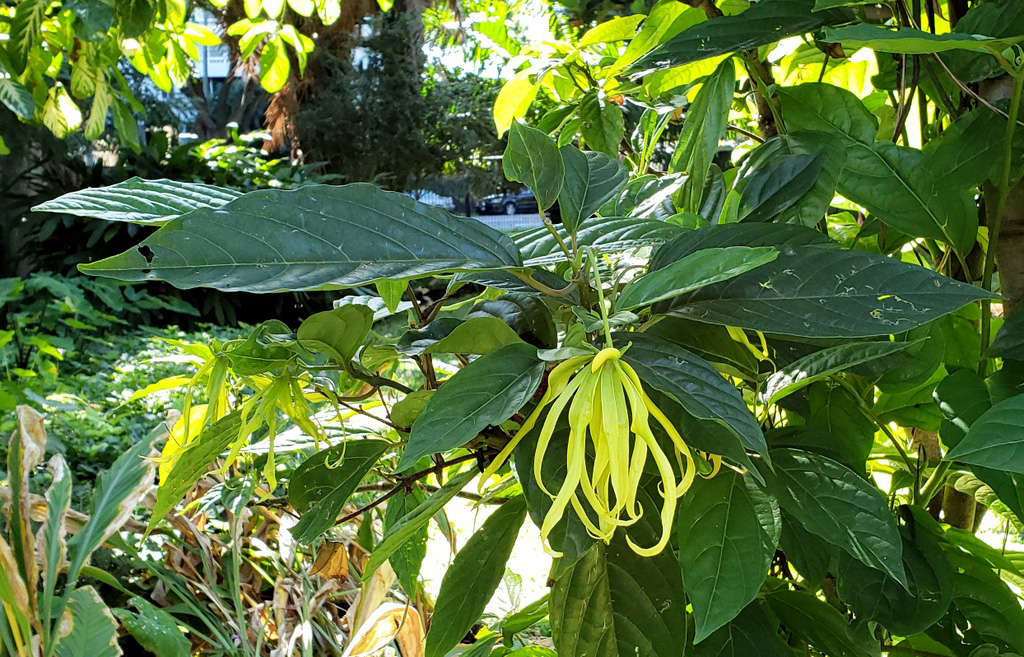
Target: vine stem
x,y
997,220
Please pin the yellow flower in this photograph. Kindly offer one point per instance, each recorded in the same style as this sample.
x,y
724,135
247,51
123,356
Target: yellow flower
x,y
607,404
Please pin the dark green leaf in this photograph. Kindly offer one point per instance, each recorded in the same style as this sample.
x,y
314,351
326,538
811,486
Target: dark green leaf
x,y
873,595
911,41
447,335
754,633
996,439
532,158
812,556
819,624
261,351
602,125
987,603
822,292
771,190
473,577
615,603
728,529
338,333
154,629
310,238
605,234
17,98
970,150
524,618
321,485
647,196
820,364
485,392
408,558
833,502
1009,342
591,179
694,271
525,314
134,17
93,629
752,235
711,342
694,384
414,521
763,23
998,18
138,201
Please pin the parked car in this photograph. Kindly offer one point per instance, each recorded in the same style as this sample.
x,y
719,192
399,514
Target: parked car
x,y
518,202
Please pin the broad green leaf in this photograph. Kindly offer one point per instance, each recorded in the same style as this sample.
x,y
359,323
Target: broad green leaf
x,y
703,128
17,98
996,439
193,464
134,17
911,41
619,28
474,575
310,238
773,189
666,19
810,209
261,351
591,179
604,234
647,196
694,271
694,384
321,485
414,521
819,624
815,291
823,363
602,125
485,392
533,158
761,24
753,633
615,603
750,234
833,502
117,494
997,18
873,595
986,602
93,631
408,558
892,182
712,343
274,65
447,335
525,314
155,629
813,557
728,530
338,333
148,202
1009,342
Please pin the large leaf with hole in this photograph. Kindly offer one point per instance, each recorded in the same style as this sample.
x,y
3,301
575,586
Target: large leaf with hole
x,y
764,23
139,201
315,237
615,603
728,529
831,501
694,384
815,291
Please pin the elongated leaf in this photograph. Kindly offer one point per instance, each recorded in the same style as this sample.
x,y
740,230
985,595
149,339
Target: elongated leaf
x,y
996,439
525,314
614,603
191,465
408,558
485,392
310,238
911,41
694,384
474,575
822,292
753,633
533,159
322,484
833,502
805,371
591,179
747,234
116,496
17,98
728,530
771,190
873,595
712,343
998,18
819,624
93,631
409,525
139,201
988,604
694,271
892,182
476,335
763,23
605,234
155,629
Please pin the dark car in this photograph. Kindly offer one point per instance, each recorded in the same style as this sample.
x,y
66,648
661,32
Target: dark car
x,y
519,202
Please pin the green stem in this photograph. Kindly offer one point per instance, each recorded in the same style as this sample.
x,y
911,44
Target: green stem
x,y
558,238
868,411
936,481
997,221
600,298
